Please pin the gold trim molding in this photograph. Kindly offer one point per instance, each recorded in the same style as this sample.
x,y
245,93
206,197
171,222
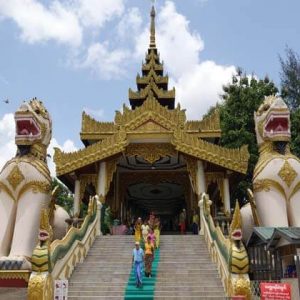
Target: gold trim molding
x,y
150,152
17,274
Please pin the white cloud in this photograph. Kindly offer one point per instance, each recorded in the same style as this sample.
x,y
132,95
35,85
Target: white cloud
x,y
67,146
61,21
198,83
130,23
104,61
8,147
94,13
39,23
201,88
7,139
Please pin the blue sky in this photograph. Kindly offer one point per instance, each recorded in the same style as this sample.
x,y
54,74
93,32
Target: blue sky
x,y
80,55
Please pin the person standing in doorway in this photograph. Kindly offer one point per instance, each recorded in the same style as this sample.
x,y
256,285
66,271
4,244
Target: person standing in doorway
x,y
137,263
195,225
182,220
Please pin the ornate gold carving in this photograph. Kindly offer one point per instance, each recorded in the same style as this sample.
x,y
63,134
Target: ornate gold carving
x,y
287,173
146,79
252,204
15,177
151,126
91,126
36,186
233,159
144,93
15,274
192,167
111,167
68,162
173,120
150,152
236,222
85,180
210,123
41,284
151,110
40,287
5,188
266,184
240,286
296,190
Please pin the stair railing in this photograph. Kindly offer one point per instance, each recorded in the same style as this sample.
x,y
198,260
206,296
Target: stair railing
x,y
57,260
228,253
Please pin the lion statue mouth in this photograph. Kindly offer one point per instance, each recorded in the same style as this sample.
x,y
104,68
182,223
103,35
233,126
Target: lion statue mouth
x,y
27,127
277,125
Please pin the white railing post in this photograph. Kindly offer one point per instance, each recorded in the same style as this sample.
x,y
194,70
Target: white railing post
x,y
98,216
201,204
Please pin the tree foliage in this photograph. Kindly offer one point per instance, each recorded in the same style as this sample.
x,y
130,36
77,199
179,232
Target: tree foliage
x,y
290,91
290,79
241,98
64,196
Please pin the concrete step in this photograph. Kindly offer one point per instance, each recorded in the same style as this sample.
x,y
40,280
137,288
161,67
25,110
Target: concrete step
x,y
13,293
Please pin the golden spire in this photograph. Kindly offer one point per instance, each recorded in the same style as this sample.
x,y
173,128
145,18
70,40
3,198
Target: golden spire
x,y
152,28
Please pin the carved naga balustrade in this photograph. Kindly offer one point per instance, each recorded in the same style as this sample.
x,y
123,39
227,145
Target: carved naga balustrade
x,y
228,253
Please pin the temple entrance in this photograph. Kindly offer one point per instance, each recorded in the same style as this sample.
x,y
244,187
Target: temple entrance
x,y
141,184
165,200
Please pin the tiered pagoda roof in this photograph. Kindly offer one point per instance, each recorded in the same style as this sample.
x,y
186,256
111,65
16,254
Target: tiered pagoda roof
x,y
151,117
153,81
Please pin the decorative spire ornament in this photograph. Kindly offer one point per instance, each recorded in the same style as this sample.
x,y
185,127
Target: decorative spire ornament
x,y
152,27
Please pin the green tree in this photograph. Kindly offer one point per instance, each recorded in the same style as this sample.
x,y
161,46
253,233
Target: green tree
x,y
64,197
290,92
290,79
241,98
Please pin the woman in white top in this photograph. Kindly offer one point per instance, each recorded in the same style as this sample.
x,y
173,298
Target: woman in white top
x,y
145,230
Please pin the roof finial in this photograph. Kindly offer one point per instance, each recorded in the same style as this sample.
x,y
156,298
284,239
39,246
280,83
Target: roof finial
x,y
152,27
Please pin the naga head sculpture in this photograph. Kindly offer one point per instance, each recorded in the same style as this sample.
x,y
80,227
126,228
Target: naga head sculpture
x,y
33,127
235,230
272,121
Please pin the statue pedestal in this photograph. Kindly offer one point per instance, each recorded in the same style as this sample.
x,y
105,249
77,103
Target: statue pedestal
x,y
14,278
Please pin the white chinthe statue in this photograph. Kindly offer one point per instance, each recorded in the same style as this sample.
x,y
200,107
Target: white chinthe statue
x,y
276,178
25,187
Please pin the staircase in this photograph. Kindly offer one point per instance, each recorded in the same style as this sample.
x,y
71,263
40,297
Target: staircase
x,y
13,293
105,271
185,270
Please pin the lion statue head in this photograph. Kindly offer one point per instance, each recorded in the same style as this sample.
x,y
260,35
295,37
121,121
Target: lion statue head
x,y
272,121
33,128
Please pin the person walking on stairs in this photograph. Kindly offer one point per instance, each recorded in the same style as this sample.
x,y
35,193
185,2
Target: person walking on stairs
x,y
195,225
182,220
157,232
145,230
137,262
149,256
138,230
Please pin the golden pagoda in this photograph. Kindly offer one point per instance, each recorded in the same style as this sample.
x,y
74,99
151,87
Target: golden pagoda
x,y
151,158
